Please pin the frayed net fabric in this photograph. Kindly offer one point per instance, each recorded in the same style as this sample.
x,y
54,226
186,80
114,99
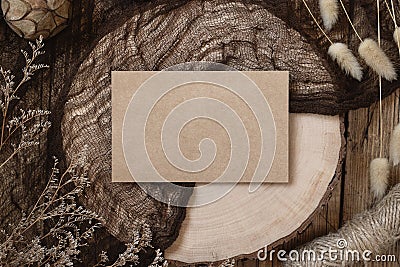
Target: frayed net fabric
x,y
244,35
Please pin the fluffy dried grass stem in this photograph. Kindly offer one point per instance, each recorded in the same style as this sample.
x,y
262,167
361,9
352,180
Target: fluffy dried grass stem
x,y
380,85
379,177
349,19
316,21
376,58
396,33
329,12
340,53
394,148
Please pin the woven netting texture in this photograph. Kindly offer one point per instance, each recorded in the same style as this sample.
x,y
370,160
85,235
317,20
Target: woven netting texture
x,y
246,35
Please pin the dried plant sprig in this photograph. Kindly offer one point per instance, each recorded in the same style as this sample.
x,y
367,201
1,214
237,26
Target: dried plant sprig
x,y
375,58
380,83
30,124
329,12
349,19
141,240
379,177
70,225
227,263
159,260
394,147
340,53
396,32
316,21
396,37
368,50
9,89
371,52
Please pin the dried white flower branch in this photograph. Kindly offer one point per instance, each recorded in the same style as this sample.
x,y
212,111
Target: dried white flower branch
x,y
70,227
228,263
30,124
69,224
56,206
159,260
141,240
225,263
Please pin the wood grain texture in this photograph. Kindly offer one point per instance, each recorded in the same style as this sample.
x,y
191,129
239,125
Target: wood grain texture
x,y
363,146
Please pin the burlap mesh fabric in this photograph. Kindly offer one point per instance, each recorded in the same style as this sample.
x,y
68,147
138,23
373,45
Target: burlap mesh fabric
x,y
107,35
243,35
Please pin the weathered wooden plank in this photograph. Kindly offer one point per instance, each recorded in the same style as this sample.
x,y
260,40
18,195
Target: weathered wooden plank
x,y
363,146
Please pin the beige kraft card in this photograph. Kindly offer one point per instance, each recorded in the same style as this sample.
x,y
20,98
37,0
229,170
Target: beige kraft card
x,y
200,126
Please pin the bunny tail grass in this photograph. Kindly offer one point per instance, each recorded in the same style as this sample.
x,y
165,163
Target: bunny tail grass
x,y
340,53
329,12
394,148
375,58
379,177
396,36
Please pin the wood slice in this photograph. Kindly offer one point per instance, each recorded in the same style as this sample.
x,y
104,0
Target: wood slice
x,y
243,222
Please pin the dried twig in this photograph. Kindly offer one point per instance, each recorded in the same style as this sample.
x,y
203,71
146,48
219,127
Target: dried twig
x,y
30,124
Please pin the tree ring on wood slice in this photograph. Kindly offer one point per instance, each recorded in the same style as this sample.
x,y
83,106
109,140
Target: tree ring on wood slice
x,y
243,222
